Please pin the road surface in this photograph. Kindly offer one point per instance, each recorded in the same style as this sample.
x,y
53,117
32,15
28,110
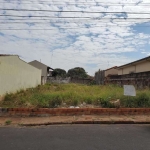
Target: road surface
x,y
76,137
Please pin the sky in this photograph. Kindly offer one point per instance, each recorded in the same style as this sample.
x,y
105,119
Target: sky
x,y
93,34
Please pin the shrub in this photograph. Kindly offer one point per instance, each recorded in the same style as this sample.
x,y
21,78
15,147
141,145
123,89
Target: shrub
x,y
106,104
74,102
143,100
129,102
55,101
8,122
97,102
88,100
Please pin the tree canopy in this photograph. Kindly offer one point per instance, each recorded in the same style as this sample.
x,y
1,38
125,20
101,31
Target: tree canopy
x,y
77,72
59,72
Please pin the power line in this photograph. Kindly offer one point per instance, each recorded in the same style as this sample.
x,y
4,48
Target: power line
x,y
64,28
81,4
94,18
135,3
69,21
62,11
59,22
89,23
42,16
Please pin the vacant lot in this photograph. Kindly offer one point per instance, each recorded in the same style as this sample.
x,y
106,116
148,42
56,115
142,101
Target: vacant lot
x,y
65,95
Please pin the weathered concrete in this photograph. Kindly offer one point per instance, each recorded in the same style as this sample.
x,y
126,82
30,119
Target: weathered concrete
x,y
80,119
15,74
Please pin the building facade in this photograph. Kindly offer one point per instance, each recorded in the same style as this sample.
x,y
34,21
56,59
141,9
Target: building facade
x,y
46,70
111,71
136,73
142,65
16,74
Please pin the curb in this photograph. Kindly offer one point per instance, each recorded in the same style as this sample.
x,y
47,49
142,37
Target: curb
x,y
86,122
43,112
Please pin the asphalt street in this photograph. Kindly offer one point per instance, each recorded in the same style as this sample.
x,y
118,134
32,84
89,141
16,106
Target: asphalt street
x,y
76,137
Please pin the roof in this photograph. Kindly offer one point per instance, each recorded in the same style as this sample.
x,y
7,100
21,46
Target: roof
x,y
135,62
7,55
42,64
115,67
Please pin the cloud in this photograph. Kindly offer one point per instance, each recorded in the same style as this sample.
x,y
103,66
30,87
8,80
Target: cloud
x,y
96,42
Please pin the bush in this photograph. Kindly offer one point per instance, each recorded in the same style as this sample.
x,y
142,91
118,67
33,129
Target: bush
x,y
129,102
55,101
72,102
106,104
8,122
8,97
97,102
141,100
88,100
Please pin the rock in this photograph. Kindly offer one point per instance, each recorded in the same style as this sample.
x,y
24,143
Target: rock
x,y
84,103
116,103
81,105
77,107
71,107
64,104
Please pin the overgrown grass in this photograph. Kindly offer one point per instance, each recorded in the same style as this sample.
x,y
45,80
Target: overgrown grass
x,y
53,95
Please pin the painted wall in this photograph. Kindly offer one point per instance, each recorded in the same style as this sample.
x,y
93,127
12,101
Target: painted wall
x,y
15,74
40,66
120,71
143,67
112,71
139,67
129,69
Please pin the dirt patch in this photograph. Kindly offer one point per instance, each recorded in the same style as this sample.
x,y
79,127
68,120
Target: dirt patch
x,y
1,98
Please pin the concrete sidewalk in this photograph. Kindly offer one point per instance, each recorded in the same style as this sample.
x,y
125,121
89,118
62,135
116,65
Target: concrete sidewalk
x,y
83,119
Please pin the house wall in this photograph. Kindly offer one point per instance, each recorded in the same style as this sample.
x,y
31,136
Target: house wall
x,y
120,71
140,67
16,74
112,71
40,66
129,69
143,67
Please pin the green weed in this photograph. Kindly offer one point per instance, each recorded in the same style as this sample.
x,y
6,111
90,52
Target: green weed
x,y
52,95
8,122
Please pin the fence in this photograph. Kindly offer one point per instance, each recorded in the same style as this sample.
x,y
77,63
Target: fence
x,y
69,80
58,80
99,77
139,80
81,80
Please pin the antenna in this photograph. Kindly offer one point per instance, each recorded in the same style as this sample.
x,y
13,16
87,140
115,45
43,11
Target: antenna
x,y
51,58
108,63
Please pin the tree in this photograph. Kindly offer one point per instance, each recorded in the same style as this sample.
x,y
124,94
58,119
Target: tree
x,y
77,72
59,72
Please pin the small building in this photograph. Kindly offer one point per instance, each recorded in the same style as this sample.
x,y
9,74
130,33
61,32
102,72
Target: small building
x,y
16,74
111,71
136,73
46,70
142,65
